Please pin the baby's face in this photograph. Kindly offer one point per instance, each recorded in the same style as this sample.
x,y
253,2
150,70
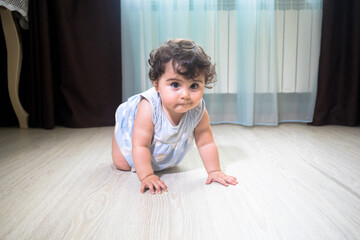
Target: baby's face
x,y
178,94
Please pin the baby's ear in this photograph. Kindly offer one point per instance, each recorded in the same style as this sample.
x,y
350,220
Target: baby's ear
x,y
156,84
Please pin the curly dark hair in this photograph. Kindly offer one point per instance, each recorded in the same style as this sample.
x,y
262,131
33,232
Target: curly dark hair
x,y
189,60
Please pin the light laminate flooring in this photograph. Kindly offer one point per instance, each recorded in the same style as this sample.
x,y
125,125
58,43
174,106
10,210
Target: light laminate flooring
x,y
295,182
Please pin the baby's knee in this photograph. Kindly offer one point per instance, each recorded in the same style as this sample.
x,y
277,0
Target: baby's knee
x,y
118,159
121,165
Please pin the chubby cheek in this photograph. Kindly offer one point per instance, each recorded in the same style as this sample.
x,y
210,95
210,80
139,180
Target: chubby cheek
x,y
169,99
197,97
195,102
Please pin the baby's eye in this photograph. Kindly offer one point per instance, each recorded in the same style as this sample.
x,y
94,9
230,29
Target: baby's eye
x,y
175,85
194,86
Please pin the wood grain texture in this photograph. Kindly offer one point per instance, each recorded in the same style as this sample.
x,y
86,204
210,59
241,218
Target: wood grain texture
x,y
295,182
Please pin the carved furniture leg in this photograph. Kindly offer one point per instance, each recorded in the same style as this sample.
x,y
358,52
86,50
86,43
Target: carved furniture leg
x,y
14,59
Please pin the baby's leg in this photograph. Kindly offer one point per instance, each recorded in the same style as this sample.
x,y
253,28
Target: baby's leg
x,y
118,159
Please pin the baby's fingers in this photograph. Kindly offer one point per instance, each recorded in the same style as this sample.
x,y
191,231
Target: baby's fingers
x,y
222,181
153,187
231,180
217,179
163,186
160,185
147,186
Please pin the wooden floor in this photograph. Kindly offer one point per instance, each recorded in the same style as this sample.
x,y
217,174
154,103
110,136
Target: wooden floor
x,y
295,182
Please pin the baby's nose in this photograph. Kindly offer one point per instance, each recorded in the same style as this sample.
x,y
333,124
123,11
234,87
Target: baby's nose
x,y
185,94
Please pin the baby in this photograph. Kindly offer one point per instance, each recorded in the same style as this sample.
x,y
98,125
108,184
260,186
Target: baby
x,y
156,128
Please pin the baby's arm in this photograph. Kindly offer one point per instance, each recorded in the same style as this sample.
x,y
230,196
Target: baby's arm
x,y
209,153
141,140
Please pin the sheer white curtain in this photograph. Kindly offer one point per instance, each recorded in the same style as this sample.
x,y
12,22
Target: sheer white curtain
x,y
266,52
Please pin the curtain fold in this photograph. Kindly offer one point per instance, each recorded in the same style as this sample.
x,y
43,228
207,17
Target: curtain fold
x,y
75,62
266,53
42,99
338,100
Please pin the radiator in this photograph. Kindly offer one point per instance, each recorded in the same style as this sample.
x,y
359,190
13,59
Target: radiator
x,y
296,48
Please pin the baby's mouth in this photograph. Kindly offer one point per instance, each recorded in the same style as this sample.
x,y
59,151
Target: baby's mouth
x,y
185,103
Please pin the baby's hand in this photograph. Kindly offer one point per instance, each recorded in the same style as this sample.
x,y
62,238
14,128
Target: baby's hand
x,y
220,177
152,181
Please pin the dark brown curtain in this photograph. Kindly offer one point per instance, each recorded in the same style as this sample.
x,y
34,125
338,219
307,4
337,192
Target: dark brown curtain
x,y
74,73
338,97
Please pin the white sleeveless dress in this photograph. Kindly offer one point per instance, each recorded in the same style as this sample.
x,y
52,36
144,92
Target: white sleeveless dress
x,y
169,143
